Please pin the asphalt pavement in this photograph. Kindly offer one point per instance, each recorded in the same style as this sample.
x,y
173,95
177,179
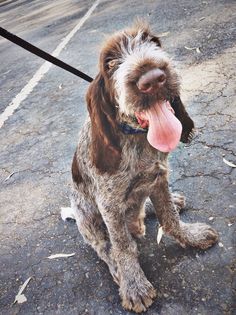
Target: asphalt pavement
x,y
38,140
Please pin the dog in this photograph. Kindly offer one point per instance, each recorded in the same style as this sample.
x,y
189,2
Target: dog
x,y
136,117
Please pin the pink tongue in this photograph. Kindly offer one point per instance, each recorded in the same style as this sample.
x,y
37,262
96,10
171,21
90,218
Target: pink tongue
x,y
165,129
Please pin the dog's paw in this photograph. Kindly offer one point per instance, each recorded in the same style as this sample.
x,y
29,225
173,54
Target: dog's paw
x,y
198,235
137,294
179,201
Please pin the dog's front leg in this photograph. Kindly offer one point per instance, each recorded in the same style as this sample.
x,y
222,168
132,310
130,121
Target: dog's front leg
x,y
193,234
136,291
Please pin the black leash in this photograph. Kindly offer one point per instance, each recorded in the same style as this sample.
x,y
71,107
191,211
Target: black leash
x,y
43,54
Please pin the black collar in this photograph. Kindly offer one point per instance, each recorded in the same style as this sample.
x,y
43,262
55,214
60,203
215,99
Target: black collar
x,y
129,130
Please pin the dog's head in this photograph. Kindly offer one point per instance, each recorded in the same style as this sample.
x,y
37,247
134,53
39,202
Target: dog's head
x,y
137,80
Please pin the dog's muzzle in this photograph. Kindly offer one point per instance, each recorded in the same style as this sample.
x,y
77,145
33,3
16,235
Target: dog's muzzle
x,y
151,81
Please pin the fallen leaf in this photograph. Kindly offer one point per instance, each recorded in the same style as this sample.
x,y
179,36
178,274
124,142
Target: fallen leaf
x,y
163,34
198,50
21,298
67,213
190,48
9,176
202,18
60,256
229,163
193,48
159,234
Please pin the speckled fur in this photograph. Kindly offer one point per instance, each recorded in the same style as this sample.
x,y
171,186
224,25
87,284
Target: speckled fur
x,y
109,202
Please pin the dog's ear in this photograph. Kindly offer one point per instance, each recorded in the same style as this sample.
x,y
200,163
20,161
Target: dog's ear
x,y
105,148
186,121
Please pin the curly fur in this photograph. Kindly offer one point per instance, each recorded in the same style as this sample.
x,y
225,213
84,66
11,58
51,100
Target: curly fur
x,y
115,173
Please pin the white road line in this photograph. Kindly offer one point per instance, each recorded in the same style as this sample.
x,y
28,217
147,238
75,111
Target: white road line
x,y
28,88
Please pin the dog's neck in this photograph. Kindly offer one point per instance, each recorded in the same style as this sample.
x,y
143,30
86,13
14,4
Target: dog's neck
x,y
130,126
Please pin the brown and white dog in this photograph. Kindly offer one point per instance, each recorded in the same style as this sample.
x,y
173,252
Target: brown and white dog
x,y
136,118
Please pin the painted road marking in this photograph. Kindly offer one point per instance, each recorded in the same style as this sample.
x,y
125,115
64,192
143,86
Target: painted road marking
x,y
28,88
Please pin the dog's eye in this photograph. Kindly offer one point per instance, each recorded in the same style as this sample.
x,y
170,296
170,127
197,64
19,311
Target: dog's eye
x,y
111,63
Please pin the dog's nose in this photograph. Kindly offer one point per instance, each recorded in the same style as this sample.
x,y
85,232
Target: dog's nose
x,y
151,80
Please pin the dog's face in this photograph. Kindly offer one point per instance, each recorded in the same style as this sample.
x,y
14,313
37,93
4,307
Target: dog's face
x,y
139,71
137,80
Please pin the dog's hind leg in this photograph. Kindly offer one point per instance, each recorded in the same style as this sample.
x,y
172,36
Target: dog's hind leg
x,y
135,220
179,201
93,230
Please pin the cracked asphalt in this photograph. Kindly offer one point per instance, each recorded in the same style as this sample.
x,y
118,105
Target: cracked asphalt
x,y
37,144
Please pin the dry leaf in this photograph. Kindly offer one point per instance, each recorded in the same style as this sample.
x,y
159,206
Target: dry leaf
x,y
9,176
190,48
21,298
67,213
229,163
193,48
163,34
159,234
60,256
198,50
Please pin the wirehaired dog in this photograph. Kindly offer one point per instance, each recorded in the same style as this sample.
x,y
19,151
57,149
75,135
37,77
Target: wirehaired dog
x,y
136,117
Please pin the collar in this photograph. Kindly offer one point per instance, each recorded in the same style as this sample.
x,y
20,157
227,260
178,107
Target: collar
x,y
129,130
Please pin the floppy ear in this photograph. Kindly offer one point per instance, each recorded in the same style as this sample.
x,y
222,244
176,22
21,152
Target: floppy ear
x,y
186,121
105,148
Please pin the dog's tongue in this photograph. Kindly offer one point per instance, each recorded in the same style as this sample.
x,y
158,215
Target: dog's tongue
x,y
165,129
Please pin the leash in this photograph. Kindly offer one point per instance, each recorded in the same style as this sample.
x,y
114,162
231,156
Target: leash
x,y
43,54
124,127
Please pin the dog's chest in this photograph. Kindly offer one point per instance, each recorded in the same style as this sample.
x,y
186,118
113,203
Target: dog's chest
x,y
142,158
146,166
